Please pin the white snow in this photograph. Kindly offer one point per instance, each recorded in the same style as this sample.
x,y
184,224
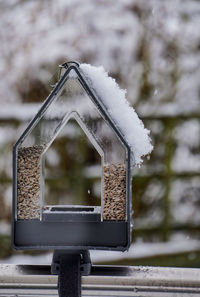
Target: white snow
x,y
136,251
185,201
22,112
143,250
123,115
186,157
4,228
110,34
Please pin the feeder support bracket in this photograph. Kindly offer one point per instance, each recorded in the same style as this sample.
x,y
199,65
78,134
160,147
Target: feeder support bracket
x,y
70,266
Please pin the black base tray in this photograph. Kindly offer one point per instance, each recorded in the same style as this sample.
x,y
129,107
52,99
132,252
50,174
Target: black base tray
x,y
35,234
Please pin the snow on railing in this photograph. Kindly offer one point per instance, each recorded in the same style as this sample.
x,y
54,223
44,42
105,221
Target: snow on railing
x,y
35,280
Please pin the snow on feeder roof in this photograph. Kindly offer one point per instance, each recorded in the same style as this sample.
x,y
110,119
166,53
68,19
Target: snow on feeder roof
x,y
124,116
87,97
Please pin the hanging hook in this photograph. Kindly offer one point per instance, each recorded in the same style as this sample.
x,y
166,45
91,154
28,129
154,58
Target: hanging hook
x,y
58,72
66,64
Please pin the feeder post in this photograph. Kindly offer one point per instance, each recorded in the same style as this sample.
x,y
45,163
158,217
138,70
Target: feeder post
x,y
70,266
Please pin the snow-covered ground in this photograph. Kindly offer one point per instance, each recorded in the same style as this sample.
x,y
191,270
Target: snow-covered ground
x,y
136,251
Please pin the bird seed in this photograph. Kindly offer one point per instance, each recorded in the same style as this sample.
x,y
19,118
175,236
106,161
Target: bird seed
x,y
114,192
28,182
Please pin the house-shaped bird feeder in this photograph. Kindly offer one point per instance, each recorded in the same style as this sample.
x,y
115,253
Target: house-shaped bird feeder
x,y
37,225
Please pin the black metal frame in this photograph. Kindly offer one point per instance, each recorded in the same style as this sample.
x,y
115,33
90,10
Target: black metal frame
x,y
35,234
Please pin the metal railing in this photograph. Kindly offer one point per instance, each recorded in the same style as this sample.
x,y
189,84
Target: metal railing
x,y
36,280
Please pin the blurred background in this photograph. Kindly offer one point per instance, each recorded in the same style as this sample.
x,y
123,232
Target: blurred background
x,y
152,49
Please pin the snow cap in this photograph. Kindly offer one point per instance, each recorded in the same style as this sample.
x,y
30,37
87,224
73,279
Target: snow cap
x,y
120,111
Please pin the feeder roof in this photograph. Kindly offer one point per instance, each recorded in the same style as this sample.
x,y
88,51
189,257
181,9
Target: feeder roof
x,y
120,111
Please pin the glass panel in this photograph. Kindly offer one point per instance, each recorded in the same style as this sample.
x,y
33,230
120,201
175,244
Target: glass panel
x,y
72,169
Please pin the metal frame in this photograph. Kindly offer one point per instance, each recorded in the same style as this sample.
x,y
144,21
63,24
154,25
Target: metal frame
x,y
111,234
36,280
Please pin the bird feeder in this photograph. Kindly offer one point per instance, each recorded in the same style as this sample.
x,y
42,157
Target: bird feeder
x,y
37,225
